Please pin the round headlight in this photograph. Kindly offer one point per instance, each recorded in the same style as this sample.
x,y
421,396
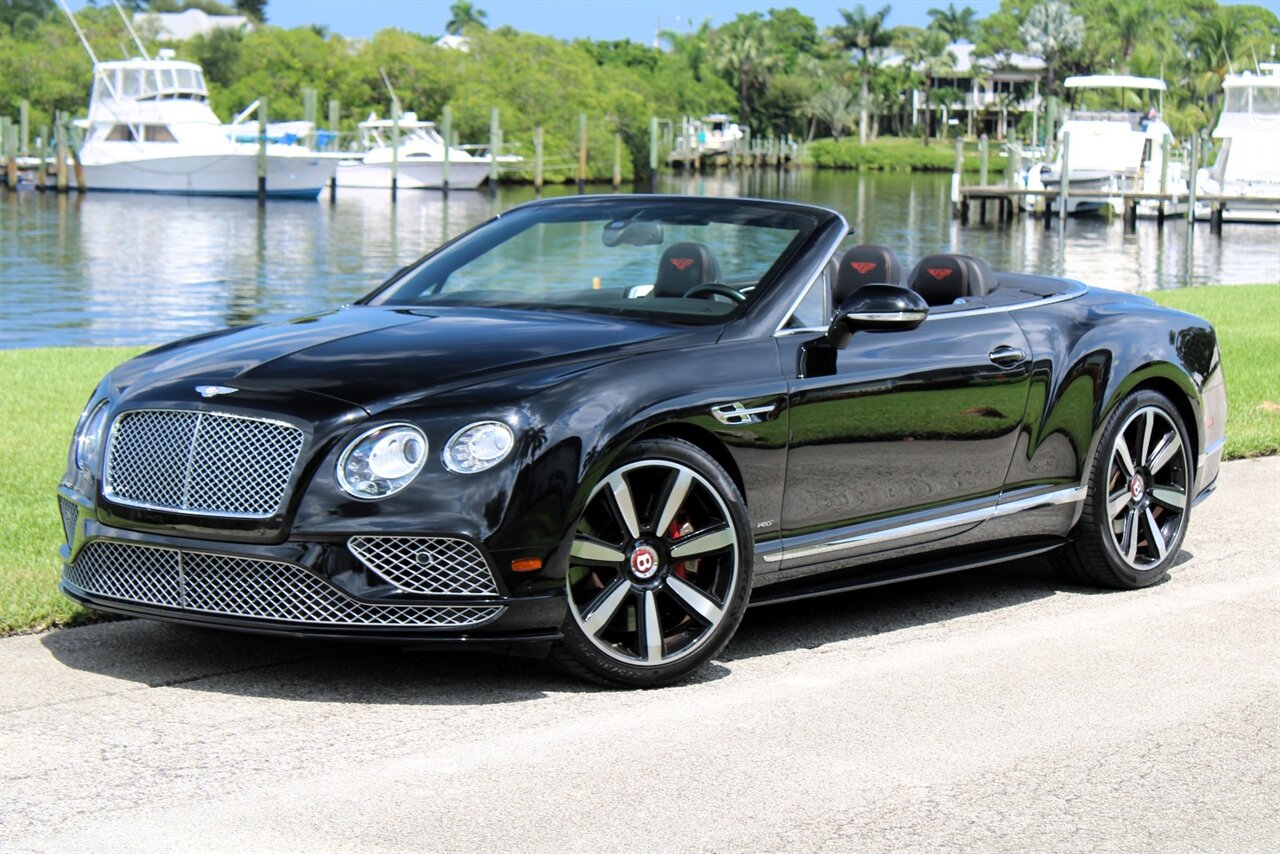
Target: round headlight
x,y
382,461
89,440
477,447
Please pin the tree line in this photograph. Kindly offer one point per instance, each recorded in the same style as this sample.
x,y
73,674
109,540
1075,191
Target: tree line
x,y
779,73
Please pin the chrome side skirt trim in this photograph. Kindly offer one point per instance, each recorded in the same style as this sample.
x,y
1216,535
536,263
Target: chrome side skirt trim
x,y
1215,448
1012,505
871,533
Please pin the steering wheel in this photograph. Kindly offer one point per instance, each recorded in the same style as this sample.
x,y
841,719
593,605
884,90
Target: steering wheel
x,y
712,289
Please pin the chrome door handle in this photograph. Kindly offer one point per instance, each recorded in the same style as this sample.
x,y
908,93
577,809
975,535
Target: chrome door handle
x,y
1007,356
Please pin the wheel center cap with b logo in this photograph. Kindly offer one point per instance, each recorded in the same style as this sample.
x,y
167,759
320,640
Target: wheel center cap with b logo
x,y
644,562
1137,487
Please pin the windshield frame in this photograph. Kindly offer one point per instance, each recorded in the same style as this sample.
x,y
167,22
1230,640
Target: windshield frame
x,y
805,220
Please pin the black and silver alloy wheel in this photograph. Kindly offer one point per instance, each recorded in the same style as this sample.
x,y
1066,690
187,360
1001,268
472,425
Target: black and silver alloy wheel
x,y
1147,486
656,582
1139,501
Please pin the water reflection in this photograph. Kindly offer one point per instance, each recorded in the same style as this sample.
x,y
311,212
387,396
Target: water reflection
x,y
136,269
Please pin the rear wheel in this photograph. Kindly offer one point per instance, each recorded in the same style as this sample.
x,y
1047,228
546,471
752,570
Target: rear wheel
x,y
659,570
1139,501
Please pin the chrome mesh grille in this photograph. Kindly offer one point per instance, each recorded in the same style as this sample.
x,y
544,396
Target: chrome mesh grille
x,y
70,516
207,463
242,587
133,573
439,565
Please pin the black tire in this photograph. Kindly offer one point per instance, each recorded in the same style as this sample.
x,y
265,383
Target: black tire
x,y
675,566
1138,505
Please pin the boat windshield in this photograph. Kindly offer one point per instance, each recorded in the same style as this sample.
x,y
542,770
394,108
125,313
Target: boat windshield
x,y
1258,100
682,261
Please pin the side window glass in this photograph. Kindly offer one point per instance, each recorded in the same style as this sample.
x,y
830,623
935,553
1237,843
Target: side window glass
x,y
812,311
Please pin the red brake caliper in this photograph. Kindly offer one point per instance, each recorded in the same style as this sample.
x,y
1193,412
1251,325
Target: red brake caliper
x,y
680,529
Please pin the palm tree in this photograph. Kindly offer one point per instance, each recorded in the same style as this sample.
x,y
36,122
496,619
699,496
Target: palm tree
x,y
743,51
958,24
1129,20
464,14
1050,31
864,32
835,105
692,47
931,53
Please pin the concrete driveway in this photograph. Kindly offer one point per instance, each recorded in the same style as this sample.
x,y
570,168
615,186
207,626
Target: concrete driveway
x,y
998,709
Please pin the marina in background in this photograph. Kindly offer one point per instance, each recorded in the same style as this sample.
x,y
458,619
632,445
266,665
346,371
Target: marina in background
x,y
117,268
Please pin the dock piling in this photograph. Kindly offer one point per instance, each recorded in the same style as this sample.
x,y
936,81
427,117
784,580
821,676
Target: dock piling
x,y
982,165
262,151
617,162
1066,182
24,126
1193,162
334,112
42,170
653,154
309,114
495,146
582,153
1164,179
537,159
395,146
446,131
7,146
60,153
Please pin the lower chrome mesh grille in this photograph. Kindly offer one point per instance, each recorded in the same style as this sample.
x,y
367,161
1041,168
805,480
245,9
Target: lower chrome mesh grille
x,y
434,565
243,587
70,516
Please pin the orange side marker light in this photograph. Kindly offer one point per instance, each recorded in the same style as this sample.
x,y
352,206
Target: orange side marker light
x,y
526,564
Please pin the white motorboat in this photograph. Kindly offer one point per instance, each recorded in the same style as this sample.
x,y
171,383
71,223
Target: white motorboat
x,y
1248,162
718,133
419,158
150,129
1112,151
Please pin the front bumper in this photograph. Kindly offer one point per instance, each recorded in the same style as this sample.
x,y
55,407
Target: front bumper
x,y
301,589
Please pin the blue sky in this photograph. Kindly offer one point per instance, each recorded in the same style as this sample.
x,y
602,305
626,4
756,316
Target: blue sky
x,y
567,19
598,19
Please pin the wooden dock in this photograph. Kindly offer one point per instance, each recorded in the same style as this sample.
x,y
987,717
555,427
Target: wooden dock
x,y
1010,200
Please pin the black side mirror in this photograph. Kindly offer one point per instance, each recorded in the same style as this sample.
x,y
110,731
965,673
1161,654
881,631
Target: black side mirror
x,y
876,308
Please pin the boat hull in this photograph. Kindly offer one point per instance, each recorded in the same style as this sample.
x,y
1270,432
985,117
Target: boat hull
x,y
411,175
212,175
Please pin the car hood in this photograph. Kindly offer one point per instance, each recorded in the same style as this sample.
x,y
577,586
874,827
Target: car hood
x,y
376,357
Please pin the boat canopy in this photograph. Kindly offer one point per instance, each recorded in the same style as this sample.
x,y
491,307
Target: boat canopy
x,y
1115,81
149,79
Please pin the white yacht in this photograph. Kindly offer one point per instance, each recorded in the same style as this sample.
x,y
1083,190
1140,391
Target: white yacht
x,y
150,129
1112,151
1248,162
420,158
718,133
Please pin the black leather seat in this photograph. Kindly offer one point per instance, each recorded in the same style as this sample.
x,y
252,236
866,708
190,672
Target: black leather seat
x,y
943,279
866,265
683,267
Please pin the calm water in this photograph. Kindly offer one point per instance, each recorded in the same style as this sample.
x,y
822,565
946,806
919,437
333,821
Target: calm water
x,y
136,269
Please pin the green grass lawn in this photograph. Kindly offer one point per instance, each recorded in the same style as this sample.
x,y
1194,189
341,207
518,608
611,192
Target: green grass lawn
x,y
1247,320
42,393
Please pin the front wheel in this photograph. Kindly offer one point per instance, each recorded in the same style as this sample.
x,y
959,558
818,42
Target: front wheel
x,y
1139,500
659,571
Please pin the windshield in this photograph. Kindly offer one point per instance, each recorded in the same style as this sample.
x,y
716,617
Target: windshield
x,y
685,261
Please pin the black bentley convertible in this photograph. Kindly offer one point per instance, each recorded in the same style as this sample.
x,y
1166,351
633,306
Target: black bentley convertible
x,y
600,426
